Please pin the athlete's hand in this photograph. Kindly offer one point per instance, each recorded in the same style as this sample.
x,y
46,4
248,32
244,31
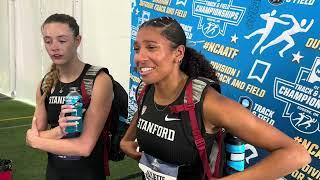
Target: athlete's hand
x,y
130,149
32,134
64,121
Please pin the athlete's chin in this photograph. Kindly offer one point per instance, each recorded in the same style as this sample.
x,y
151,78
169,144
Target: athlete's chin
x,y
148,79
58,61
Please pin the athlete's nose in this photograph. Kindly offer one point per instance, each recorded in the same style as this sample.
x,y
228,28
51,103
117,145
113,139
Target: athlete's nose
x,y
139,57
55,46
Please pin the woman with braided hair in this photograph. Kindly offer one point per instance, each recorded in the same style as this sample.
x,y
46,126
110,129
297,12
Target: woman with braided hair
x,y
61,39
163,132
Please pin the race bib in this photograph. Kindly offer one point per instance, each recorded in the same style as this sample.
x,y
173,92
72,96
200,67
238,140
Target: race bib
x,y
154,168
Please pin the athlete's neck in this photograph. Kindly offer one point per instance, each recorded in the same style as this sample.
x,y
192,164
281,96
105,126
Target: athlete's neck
x,y
167,91
70,71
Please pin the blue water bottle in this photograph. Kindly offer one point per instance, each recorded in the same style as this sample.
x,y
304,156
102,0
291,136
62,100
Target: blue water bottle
x,y
74,98
235,154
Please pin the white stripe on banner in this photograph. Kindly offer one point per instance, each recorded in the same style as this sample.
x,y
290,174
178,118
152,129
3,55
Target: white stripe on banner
x,y
237,157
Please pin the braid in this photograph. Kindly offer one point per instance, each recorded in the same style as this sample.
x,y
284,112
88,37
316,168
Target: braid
x,y
50,79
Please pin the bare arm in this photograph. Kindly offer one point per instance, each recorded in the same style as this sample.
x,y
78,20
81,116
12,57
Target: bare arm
x,y
41,121
128,144
94,120
286,155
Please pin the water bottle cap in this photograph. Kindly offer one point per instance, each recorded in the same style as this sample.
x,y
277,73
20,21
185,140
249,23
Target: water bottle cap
x,y
73,88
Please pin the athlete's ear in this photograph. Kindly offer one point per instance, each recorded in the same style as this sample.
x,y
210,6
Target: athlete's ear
x,y
179,52
78,40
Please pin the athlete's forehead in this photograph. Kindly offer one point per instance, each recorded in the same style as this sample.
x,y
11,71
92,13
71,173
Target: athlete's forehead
x,y
150,35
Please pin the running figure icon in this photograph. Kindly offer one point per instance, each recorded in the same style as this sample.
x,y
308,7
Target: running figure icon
x,y
270,22
287,35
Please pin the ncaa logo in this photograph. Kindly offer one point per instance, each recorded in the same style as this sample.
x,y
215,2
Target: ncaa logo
x,y
144,108
276,2
314,76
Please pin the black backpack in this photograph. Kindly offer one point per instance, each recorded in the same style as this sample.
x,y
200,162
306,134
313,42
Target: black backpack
x,y
116,125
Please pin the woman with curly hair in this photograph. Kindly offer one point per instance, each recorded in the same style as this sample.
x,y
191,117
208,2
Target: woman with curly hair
x,y
166,66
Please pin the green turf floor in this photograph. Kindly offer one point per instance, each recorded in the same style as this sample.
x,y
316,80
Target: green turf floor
x,y
29,164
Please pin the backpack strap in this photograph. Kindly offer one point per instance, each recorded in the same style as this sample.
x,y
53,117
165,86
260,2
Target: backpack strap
x,y
86,91
141,91
87,83
193,94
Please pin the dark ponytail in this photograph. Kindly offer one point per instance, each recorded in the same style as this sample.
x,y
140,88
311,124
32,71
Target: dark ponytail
x,y
195,64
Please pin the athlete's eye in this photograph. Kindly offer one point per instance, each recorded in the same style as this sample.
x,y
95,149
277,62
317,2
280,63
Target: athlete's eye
x,y
151,47
136,49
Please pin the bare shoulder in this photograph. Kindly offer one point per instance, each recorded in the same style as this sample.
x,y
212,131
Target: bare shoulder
x,y
101,98
103,81
40,111
217,108
38,90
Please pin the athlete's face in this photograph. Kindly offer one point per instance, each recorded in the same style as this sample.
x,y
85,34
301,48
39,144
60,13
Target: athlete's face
x,y
60,42
154,56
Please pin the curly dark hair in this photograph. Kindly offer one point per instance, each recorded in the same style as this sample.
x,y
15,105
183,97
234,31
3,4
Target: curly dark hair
x,y
193,63
65,19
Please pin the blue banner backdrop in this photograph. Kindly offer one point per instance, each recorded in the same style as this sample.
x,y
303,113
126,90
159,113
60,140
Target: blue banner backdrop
x,y
267,57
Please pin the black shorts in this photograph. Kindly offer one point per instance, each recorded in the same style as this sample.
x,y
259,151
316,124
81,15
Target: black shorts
x,y
83,173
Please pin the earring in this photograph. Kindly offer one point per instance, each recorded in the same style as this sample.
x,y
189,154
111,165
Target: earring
x,y
180,61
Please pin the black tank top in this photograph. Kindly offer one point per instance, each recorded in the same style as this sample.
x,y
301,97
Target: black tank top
x,y
53,104
168,137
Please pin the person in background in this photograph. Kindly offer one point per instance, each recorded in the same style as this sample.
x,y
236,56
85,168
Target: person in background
x,y
61,39
166,64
